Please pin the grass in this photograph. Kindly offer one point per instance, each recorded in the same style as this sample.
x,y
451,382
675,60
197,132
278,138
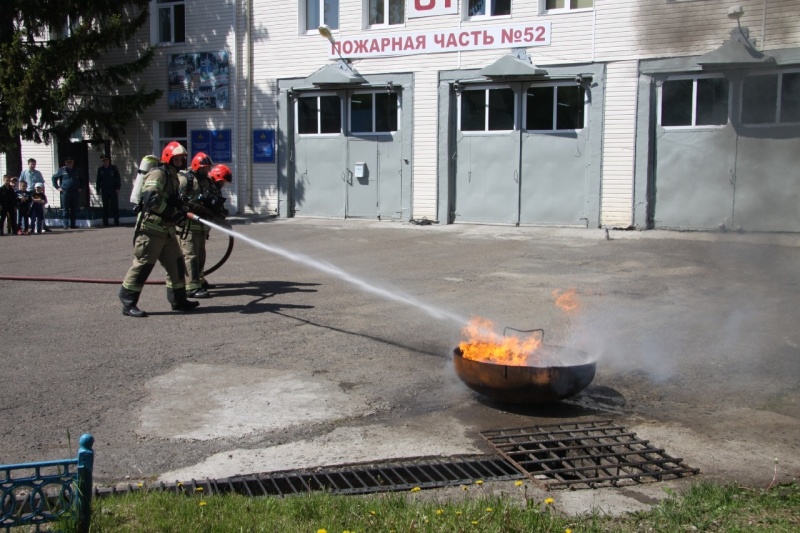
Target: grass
x,y
703,507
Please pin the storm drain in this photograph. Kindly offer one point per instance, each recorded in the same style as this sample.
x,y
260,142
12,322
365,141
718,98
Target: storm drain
x,y
585,455
350,479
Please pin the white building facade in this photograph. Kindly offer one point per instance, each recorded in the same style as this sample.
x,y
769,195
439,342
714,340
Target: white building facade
x,y
675,114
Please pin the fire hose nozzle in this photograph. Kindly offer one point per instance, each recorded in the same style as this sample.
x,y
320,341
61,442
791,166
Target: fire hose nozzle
x,y
192,216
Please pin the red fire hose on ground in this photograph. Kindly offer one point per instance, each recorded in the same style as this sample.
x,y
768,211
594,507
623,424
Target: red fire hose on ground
x,y
117,281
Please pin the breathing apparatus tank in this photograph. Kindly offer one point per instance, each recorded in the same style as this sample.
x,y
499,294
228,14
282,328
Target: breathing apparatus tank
x,y
148,163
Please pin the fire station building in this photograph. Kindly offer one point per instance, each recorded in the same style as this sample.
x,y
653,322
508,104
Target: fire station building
x,y
672,114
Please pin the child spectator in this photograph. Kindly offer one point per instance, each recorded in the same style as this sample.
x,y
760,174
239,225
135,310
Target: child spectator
x,y
23,209
38,202
8,204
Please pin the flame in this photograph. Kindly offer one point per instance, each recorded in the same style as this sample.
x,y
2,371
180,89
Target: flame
x,y
567,301
482,343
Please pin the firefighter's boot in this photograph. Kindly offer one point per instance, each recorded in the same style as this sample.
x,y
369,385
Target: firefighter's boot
x,y
178,301
129,300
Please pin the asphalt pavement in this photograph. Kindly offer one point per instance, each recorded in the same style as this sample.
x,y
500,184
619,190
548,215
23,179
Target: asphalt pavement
x,y
330,342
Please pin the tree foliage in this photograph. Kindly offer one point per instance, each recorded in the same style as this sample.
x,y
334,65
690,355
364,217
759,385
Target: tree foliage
x,y
67,64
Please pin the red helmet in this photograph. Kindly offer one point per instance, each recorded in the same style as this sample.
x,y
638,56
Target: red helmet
x,y
171,150
220,174
200,160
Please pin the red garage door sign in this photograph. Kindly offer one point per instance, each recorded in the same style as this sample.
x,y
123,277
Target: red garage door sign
x,y
428,8
434,42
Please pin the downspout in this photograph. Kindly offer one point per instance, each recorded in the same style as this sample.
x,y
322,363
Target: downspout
x,y
249,101
235,62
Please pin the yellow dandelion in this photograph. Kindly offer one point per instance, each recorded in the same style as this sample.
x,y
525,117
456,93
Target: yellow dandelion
x,y
372,513
518,483
199,489
474,522
489,509
464,487
416,489
179,484
567,530
549,501
439,511
322,531
479,482
140,484
459,513
202,504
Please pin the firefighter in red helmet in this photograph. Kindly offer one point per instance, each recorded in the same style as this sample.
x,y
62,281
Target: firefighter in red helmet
x,y
155,237
197,193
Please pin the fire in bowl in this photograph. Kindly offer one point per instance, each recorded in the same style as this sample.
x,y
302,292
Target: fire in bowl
x,y
527,384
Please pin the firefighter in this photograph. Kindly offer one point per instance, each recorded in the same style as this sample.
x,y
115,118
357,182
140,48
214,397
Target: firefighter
x,y
155,239
197,192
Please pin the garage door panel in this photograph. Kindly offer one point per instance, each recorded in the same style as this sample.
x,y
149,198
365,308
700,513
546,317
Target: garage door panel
x,y
487,174
694,173
319,180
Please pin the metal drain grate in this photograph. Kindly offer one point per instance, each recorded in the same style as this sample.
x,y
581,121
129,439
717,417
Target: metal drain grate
x,y
351,479
584,455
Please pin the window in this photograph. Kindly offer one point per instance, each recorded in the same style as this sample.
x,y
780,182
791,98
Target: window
x,y
559,107
566,5
771,98
385,12
319,114
174,130
373,112
487,110
319,12
168,21
694,102
488,8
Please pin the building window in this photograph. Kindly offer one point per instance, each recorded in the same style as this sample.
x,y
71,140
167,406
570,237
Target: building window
x,y
554,6
319,114
555,107
174,130
487,109
694,102
373,112
771,98
386,12
315,13
488,8
168,21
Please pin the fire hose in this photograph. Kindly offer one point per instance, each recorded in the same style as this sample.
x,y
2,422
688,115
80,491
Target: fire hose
x,y
207,271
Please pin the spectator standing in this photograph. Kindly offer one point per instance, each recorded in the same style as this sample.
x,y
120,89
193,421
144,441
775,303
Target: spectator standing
x,y
38,202
23,209
8,204
32,176
108,185
67,181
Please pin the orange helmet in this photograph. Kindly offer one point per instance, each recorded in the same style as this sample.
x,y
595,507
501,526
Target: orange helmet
x,y
220,174
171,150
200,160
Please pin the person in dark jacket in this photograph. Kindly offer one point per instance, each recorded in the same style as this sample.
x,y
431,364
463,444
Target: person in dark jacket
x,y
8,206
68,182
23,209
108,185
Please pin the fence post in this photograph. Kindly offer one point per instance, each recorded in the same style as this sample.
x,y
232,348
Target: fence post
x,y
84,496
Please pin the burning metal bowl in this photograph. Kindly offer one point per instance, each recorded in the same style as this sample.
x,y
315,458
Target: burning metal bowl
x,y
527,384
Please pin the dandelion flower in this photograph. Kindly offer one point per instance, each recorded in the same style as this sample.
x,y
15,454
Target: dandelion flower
x,y
479,482
202,504
489,509
322,531
464,487
459,513
518,483
199,489
372,513
439,511
140,484
549,501
416,489
474,522
179,484
567,530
